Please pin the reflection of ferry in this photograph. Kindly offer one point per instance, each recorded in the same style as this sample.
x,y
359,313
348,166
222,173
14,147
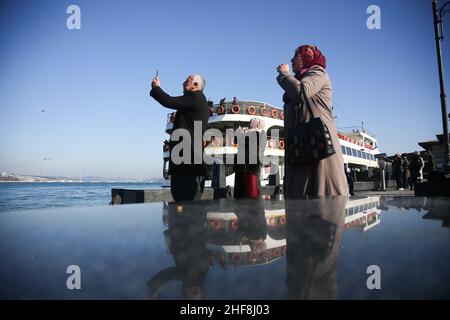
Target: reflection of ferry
x,y
359,147
362,214
229,246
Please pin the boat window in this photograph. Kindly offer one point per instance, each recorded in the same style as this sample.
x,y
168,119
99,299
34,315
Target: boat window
x,y
353,152
343,149
349,151
359,154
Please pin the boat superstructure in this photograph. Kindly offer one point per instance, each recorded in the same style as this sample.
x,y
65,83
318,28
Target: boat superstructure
x,y
359,147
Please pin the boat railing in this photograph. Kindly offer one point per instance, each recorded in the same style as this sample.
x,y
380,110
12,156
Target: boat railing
x,y
247,108
226,141
357,142
243,108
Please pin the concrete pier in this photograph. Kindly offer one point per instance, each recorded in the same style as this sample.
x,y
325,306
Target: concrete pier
x,y
126,196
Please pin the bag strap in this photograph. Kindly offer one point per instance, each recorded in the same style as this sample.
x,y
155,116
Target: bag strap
x,y
306,100
303,100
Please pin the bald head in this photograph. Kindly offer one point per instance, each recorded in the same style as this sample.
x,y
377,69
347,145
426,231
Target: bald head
x,y
194,82
196,78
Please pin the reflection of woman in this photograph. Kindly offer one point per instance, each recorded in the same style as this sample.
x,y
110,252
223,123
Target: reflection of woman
x,y
187,243
248,165
314,230
326,177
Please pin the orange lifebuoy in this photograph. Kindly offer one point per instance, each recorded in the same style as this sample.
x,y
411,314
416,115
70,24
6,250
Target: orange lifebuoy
x,y
215,224
282,115
215,141
251,110
235,109
220,110
276,252
172,117
274,113
263,111
281,144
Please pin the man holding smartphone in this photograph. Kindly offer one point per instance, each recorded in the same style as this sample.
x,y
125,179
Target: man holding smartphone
x,y
187,180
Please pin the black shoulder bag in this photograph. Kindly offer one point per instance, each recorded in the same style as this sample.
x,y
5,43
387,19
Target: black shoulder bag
x,y
308,142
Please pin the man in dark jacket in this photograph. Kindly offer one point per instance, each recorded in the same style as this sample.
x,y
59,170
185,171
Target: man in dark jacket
x,y
188,177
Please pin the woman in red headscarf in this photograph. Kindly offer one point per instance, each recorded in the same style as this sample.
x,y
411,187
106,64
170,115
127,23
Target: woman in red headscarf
x,y
326,177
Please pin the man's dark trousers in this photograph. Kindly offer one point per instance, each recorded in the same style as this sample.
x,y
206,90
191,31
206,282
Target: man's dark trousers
x,y
187,186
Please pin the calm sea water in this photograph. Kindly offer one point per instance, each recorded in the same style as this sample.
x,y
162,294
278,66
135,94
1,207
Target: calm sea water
x,y
34,195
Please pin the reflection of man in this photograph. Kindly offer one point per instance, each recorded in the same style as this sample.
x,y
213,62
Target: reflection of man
x,y
253,225
187,180
314,230
186,238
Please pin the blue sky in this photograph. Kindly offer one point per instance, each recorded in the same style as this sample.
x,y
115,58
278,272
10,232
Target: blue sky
x,y
94,82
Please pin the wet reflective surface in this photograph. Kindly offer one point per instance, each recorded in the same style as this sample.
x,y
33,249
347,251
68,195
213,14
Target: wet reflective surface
x,y
363,248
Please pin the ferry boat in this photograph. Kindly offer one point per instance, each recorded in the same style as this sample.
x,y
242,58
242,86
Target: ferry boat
x,y
359,146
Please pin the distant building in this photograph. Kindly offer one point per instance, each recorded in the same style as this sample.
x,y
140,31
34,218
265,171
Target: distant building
x,y
4,174
436,147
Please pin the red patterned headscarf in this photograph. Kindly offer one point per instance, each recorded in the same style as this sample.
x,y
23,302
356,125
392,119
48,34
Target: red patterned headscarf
x,y
305,59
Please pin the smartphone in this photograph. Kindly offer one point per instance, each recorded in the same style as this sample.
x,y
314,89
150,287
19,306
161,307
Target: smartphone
x,y
156,73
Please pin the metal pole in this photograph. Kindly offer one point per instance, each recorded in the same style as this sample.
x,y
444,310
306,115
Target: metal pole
x,y
441,83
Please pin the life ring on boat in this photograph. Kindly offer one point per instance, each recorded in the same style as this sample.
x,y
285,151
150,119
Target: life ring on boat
x,y
281,144
215,224
215,141
220,110
251,110
235,109
263,111
282,115
234,224
274,113
276,252
172,117
282,220
236,257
